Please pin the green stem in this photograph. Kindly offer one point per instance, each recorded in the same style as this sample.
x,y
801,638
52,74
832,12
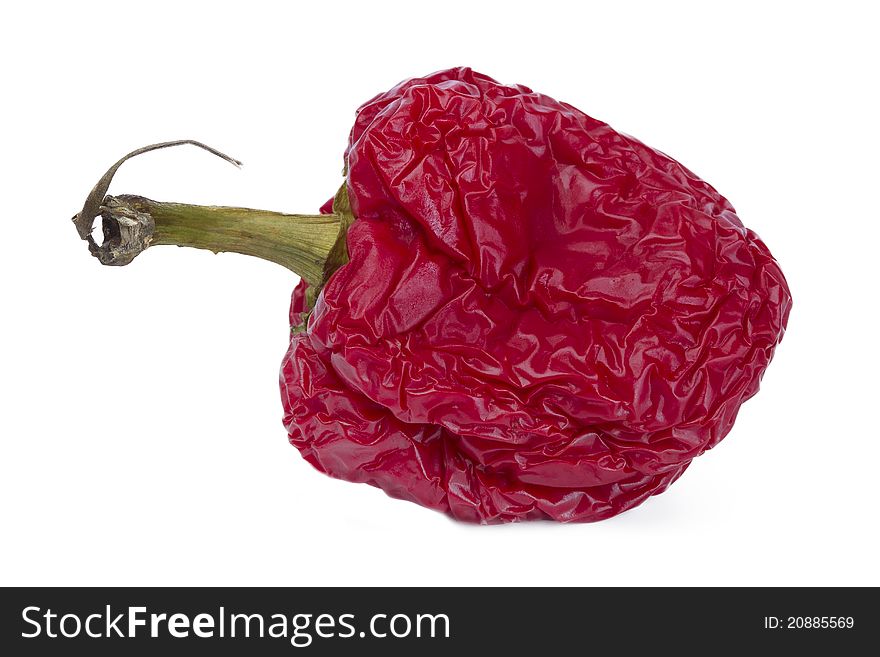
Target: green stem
x,y
301,243
312,246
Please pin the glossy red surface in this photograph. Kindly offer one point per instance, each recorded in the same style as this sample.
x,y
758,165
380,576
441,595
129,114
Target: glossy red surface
x,y
541,318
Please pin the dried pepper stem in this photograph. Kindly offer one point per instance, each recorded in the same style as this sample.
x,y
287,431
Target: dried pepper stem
x,y
312,246
301,243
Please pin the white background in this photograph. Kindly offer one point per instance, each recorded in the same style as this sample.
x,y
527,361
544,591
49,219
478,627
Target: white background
x,y
141,424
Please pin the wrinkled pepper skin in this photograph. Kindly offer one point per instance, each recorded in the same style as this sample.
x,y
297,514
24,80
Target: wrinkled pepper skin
x,y
541,317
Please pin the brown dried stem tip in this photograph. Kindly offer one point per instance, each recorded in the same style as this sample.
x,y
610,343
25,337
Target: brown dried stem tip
x,y
312,246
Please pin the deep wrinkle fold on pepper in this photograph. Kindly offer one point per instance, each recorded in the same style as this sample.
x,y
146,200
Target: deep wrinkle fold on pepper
x,y
540,317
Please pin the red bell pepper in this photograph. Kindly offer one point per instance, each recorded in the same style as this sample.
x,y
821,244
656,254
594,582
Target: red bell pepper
x,y
509,311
